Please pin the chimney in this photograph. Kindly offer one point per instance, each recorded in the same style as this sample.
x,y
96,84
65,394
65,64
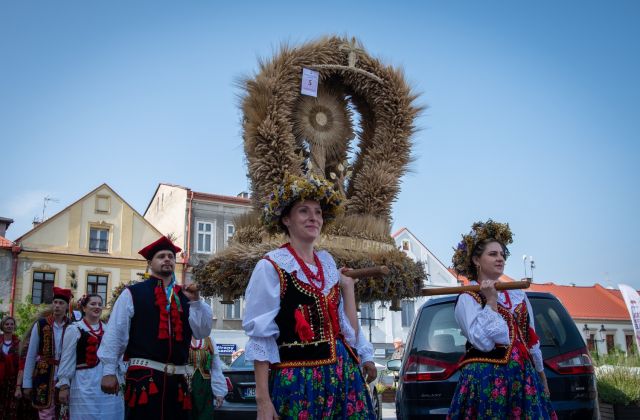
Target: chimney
x,y
36,222
243,194
4,225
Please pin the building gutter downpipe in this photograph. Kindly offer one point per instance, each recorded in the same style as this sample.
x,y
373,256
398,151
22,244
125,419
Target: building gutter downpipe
x,y
15,250
188,253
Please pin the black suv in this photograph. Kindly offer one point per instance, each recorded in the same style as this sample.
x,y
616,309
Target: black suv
x,y
429,372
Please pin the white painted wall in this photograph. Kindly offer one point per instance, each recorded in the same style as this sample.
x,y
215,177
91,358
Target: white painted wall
x,y
168,212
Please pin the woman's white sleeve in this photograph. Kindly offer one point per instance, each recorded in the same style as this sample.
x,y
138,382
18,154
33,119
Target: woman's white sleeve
x,y
360,343
218,381
483,327
67,367
262,304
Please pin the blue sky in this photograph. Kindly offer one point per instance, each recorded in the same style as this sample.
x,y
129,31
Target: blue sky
x,y
532,112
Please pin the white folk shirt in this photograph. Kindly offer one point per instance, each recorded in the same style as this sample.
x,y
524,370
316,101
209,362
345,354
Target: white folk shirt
x,y
484,327
263,304
86,399
116,337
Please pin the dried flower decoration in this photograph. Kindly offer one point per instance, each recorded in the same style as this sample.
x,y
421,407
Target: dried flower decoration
x,y
480,232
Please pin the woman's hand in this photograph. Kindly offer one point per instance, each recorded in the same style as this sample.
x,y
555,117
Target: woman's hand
x,y
346,282
488,290
219,401
370,371
18,393
266,410
545,384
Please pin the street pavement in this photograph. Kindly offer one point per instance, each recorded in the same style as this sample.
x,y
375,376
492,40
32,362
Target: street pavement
x,y
388,411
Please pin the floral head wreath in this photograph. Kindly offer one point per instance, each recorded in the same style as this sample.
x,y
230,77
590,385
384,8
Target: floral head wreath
x,y
296,188
480,232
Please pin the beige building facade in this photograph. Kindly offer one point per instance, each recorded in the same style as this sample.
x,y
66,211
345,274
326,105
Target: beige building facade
x,y
91,247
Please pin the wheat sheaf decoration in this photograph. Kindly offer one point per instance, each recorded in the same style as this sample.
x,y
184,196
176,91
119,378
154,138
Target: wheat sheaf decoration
x,y
287,132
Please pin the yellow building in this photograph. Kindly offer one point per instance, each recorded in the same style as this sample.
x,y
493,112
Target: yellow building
x,y
91,247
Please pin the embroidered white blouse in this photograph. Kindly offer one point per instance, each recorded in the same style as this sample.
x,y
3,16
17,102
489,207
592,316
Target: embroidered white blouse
x,y
263,304
485,328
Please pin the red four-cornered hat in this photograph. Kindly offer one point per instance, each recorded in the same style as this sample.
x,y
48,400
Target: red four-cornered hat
x,y
161,244
60,293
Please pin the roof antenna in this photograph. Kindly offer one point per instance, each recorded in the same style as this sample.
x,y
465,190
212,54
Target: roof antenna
x,y
46,200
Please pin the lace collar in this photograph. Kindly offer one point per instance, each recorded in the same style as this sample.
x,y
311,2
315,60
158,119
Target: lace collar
x,y
283,258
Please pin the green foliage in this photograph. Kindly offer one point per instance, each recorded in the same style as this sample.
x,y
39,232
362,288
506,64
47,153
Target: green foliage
x,y
619,385
616,358
26,314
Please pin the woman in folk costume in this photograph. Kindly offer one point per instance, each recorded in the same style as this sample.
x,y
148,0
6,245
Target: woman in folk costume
x,y
9,366
151,324
80,370
43,357
301,317
208,385
503,374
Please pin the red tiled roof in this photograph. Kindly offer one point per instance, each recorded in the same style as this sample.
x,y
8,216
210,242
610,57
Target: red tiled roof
x,y
587,302
5,243
465,281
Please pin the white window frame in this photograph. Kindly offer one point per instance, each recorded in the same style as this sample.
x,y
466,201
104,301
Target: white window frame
x,y
234,316
226,232
212,233
406,314
107,239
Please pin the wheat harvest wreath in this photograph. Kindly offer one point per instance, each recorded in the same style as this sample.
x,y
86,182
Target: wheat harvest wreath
x,y
285,131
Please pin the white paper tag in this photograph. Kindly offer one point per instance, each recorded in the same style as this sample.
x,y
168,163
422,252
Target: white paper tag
x,y
309,85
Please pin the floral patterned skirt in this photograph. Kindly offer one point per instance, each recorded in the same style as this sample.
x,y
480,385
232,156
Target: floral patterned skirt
x,y
335,391
511,391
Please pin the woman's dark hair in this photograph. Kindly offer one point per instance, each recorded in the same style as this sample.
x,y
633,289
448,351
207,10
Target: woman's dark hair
x,y
285,213
85,300
478,249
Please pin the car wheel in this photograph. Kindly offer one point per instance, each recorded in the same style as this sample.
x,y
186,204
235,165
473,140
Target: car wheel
x,y
377,407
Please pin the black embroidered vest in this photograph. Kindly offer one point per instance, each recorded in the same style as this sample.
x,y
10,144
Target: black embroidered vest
x,y
87,350
46,363
518,324
143,334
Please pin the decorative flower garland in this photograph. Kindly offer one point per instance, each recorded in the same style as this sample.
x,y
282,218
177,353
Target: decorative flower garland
x,y
480,232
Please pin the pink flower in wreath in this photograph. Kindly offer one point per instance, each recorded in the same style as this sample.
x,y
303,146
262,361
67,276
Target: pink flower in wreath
x,y
349,409
303,415
359,406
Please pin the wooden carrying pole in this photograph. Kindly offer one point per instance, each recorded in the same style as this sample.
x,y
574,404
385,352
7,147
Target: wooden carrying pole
x,y
359,273
474,288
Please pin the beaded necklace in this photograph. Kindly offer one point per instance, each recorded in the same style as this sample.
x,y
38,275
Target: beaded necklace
x,y
319,278
97,332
